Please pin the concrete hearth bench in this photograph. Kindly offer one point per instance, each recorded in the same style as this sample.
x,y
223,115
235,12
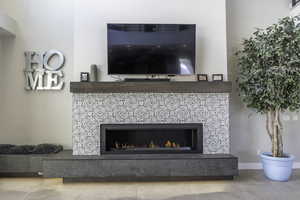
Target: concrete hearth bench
x,y
18,165
140,167
25,160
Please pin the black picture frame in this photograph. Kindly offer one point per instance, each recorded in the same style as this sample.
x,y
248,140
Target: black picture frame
x,y
84,77
217,77
202,77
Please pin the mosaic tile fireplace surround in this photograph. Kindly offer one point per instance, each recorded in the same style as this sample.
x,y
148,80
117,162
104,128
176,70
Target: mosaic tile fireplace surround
x,y
90,110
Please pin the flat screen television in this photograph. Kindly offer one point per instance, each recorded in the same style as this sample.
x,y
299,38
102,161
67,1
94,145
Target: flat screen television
x,y
151,49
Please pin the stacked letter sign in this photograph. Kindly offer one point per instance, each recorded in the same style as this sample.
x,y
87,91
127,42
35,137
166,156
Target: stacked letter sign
x,y
43,70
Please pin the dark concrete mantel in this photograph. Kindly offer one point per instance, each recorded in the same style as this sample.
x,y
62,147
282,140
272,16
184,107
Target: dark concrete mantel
x,y
151,87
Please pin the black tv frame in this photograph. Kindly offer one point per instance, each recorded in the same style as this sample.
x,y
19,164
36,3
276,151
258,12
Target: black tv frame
x,y
149,74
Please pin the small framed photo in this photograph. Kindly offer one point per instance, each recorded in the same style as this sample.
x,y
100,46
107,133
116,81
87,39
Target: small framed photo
x,y
202,77
217,77
84,77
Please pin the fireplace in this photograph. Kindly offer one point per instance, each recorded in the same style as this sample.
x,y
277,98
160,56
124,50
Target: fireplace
x,y
151,138
148,132
91,110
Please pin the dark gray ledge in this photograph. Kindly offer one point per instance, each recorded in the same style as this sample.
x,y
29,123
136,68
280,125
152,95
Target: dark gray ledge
x,y
151,87
143,167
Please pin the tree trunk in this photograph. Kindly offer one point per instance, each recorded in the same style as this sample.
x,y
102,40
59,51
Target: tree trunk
x,y
274,129
280,131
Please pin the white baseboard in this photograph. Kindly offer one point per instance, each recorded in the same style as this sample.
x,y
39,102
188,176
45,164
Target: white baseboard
x,y
259,166
296,165
250,166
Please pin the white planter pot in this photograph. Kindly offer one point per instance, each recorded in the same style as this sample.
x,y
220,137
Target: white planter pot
x,y
275,168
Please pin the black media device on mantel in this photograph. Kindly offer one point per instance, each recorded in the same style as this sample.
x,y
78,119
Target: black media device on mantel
x,y
151,49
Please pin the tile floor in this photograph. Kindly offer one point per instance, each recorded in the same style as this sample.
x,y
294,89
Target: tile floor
x,y
250,185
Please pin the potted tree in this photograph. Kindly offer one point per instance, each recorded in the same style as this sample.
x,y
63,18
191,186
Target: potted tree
x,y
269,82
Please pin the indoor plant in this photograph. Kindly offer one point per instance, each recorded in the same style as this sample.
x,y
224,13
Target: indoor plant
x,y
269,82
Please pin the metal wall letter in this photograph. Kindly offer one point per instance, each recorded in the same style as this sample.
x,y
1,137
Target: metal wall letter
x,y
53,82
50,54
40,74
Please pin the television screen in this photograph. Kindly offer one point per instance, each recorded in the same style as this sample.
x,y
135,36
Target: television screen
x,y
151,49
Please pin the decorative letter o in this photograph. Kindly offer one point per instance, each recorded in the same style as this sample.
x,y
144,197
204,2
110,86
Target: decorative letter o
x,y
48,55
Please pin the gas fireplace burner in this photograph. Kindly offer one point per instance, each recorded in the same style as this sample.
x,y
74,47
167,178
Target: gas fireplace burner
x,y
151,138
151,146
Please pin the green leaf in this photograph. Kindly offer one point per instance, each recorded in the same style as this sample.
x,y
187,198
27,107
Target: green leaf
x,y
269,67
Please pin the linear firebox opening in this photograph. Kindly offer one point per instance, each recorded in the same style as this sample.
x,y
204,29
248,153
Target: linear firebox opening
x,y
151,138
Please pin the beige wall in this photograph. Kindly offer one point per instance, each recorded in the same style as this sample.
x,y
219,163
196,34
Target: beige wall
x,y
1,59
77,28
36,117
92,16
248,134
1,66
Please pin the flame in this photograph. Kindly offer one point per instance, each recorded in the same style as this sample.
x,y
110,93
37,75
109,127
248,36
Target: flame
x,y
167,144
